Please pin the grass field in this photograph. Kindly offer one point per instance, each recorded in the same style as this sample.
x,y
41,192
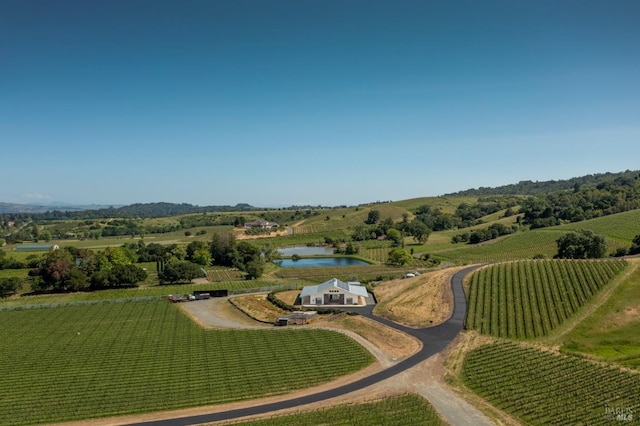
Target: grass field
x,y
403,410
528,299
620,227
612,332
540,387
104,359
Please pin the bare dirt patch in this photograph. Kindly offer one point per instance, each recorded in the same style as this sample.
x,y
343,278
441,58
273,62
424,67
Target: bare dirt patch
x,y
218,313
258,307
423,301
239,234
393,344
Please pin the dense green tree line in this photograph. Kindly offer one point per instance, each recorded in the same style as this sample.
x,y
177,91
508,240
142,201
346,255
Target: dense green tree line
x,y
582,203
73,269
527,187
138,210
480,235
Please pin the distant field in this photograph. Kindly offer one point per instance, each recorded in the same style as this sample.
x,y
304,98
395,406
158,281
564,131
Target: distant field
x,y
446,204
404,410
528,299
540,387
106,359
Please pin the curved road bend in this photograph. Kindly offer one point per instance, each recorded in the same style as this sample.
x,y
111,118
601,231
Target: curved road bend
x,y
434,339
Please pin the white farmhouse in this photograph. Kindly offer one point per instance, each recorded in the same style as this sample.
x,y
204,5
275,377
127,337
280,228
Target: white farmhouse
x,y
334,293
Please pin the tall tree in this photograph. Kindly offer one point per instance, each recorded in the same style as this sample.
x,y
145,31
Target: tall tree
x,y
419,231
580,245
398,256
395,236
373,217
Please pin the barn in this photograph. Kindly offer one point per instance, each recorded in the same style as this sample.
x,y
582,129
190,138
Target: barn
x,y
335,293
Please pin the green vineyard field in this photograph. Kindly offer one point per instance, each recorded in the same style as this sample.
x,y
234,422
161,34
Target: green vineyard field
x,y
523,245
97,360
528,299
545,388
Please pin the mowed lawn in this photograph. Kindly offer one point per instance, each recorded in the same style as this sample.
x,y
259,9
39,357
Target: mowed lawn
x,y
97,360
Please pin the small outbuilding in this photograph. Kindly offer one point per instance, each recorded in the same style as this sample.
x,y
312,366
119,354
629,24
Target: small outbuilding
x,y
37,247
335,293
297,318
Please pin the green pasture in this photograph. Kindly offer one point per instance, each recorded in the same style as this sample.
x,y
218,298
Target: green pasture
x,y
612,332
540,387
403,410
10,273
528,299
97,360
619,228
24,255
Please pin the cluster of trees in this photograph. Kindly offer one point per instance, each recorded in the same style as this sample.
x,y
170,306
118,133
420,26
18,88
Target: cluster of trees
x,y
179,263
73,269
349,248
399,256
226,251
616,196
581,245
527,187
428,219
395,232
470,214
466,214
9,286
9,262
138,210
176,271
479,235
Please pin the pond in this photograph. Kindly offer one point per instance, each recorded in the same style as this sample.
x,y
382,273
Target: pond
x,y
321,261
305,251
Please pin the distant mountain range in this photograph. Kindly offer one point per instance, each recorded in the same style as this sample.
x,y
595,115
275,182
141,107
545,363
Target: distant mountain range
x,y
138,210
53,210
44,207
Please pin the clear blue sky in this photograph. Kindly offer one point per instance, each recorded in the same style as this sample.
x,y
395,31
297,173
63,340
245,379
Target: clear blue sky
x,y
311,102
